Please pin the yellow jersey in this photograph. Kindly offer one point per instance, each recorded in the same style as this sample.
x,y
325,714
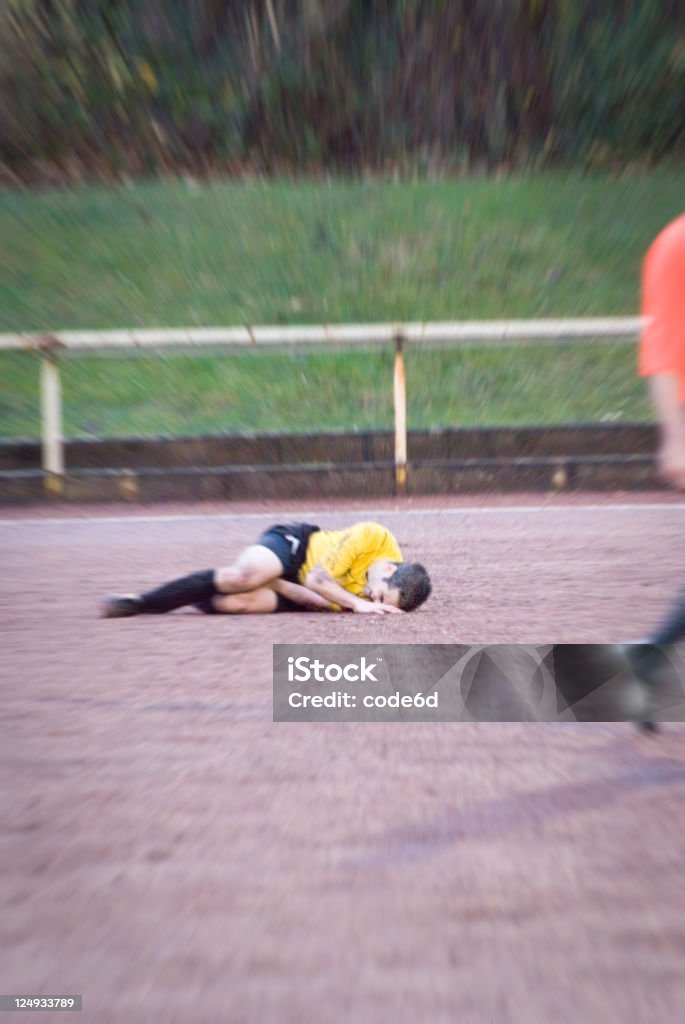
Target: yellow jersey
x,y
346,555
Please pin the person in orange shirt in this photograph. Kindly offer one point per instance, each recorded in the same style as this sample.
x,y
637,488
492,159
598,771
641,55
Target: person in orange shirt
x,y
296,567
662,359
662,346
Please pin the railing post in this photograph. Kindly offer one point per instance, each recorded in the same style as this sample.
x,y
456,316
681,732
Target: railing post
x,y
400,404
51,422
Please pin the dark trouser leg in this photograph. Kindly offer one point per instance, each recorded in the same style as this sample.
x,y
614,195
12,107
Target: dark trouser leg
x,y
671,629
648,659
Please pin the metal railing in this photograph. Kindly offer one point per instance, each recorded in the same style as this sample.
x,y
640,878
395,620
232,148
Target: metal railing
x,y
479,333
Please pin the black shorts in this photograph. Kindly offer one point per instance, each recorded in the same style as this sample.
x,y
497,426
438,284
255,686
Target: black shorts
x,y
289,544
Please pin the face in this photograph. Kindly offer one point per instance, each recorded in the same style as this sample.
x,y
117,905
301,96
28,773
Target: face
x,y
379,591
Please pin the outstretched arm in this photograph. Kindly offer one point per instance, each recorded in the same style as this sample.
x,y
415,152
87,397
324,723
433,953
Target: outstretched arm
x,y
301,595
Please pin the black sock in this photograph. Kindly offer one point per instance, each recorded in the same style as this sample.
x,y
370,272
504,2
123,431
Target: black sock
x,y
673,628
199,586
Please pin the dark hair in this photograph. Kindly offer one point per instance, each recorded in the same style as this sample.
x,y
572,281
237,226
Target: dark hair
x,y
413,583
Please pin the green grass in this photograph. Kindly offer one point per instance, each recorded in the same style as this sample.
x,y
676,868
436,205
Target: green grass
x,y
177,253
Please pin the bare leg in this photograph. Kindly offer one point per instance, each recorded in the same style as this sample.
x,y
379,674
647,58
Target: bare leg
x,y
265,599
253,568
255,602
665,390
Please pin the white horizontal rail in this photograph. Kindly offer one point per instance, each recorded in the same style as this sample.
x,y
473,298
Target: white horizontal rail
x,y
458,333
465,332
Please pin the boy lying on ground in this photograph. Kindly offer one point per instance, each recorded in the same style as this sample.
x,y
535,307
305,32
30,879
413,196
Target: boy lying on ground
x,y
297,567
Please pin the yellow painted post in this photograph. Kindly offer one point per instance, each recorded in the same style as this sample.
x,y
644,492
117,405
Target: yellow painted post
x,y
400,404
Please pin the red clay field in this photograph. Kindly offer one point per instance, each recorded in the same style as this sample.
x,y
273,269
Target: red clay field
x,y
172,855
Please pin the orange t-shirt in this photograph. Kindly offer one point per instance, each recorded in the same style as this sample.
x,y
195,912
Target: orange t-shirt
x,y
662,348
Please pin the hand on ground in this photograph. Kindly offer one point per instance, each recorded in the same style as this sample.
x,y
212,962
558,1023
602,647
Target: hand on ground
x,y
374,608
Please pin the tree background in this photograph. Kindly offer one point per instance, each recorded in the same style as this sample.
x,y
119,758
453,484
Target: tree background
x,y
101,88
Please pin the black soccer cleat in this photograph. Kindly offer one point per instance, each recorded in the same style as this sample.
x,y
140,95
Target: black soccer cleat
x,y
121,606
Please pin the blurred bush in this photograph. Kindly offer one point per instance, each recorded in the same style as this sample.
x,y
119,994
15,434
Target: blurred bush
x,y
112,87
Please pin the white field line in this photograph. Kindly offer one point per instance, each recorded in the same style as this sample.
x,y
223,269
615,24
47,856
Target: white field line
x,y
361,514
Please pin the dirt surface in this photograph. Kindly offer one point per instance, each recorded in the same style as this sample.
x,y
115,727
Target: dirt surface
x,y
173,855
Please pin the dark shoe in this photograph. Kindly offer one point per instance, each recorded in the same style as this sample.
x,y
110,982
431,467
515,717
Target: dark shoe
x,y
121,606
